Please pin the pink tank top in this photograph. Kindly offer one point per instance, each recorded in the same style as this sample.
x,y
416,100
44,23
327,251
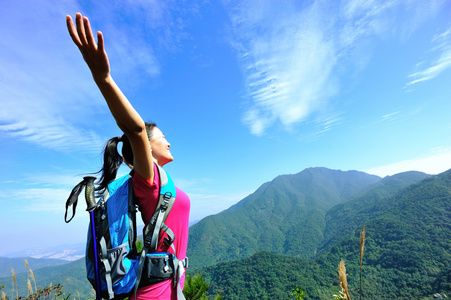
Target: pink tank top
x,y
147,194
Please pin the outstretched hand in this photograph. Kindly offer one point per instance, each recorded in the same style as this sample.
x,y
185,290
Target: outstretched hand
x,y
93,53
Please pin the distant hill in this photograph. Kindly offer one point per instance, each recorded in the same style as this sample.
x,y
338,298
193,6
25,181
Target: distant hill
x,y
62,252
285,216
407,255
71,275
18,264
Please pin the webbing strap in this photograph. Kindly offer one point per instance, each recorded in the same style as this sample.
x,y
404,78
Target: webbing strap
x,y
169,241
179,270
106,264
156,231
140,269
168,231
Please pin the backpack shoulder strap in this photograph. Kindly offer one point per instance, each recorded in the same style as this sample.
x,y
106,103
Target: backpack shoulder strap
x,y
166,200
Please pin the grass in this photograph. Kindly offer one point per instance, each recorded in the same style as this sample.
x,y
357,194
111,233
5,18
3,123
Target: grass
x,y
54,292
343,294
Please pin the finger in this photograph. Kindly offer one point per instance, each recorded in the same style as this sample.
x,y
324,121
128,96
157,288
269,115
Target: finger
x,y
72,32
81,29
88,32
100,42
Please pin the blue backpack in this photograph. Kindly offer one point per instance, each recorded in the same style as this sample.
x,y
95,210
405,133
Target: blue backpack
x,y
114,266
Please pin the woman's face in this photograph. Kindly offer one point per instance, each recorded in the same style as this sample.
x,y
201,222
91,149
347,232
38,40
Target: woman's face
x,y
160,147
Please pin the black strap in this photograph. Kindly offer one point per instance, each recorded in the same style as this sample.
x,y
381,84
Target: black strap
x,y
73,199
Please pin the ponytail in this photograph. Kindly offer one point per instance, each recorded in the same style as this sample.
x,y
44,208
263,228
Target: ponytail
x,y
112,160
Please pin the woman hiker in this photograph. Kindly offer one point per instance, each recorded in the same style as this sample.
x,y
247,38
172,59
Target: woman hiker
x,y
143,145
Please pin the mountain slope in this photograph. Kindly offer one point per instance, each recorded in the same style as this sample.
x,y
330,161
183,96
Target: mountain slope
x,y
407,250
285,216
344,218
268,276
407,256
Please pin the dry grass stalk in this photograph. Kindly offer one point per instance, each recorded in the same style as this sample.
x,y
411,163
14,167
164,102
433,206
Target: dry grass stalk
x,y
14,276
362,244
14,284
29,288
3,296
28,280
34,280
342,278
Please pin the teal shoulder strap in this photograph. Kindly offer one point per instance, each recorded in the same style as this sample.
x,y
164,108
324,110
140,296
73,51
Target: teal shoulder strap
x,y
156,224
165,202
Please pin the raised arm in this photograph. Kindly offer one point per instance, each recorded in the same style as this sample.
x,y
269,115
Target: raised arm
x,y
127,118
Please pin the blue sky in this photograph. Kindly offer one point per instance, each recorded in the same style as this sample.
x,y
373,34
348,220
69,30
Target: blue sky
x,y
243,90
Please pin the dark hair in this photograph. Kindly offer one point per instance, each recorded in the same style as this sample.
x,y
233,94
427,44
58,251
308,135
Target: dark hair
x,y
112,160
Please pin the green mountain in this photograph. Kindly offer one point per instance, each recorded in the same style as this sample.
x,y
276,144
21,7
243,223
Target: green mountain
x,y
284,216
376,199
407,255
265,245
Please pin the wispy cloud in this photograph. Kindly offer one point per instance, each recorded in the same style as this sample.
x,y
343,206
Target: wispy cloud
x,y
291,54
440,61
36,89
206,201
48,96
390,118
438,161
205,204
324,124
41,192
38,199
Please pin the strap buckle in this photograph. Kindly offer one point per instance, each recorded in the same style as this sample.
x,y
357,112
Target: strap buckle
x,y
167,196
168,241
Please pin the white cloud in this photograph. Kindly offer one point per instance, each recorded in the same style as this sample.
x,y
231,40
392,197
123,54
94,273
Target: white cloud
x,y
48,95
291,54
206,204
435,163
38,200
204,200
441,61
42,102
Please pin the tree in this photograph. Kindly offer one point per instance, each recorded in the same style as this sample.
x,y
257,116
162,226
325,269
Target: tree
x,y
298,293
195,288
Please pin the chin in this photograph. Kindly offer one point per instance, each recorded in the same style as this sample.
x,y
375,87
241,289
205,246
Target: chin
x,y
168,160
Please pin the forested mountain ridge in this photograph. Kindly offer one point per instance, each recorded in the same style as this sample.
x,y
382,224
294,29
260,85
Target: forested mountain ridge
x,y
284,216
319,186
344,218
407,255
407,250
